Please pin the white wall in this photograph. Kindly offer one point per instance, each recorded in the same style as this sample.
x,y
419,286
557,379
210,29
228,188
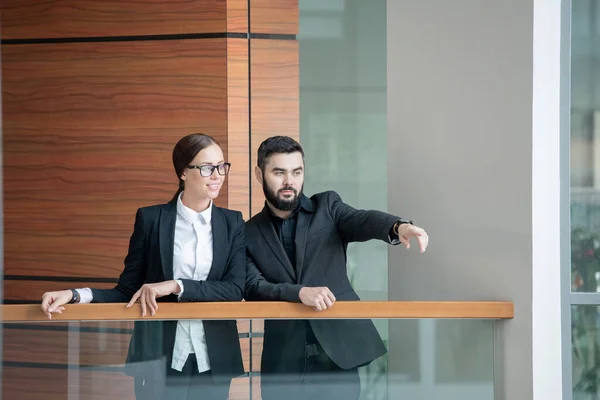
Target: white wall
x,y
473,140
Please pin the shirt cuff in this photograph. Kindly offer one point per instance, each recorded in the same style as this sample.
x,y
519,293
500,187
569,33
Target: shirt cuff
x,y
180,283
393,238
85,295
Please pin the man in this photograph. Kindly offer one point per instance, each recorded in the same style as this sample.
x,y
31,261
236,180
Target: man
x,y
296,248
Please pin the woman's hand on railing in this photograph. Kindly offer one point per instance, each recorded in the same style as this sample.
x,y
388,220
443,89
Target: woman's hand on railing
x,y
52,302
149,292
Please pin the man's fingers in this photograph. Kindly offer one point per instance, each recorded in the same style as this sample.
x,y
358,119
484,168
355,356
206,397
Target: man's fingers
x,y
405,241
322,305
328,301
423,241
330,295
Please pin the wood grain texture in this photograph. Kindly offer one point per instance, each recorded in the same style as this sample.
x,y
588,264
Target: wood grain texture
x,y
35,346
94,348
267,310
33,290
88,133
240,389
274,16
238,139
53,384
83,18
244,325
274,97
255,353
237,16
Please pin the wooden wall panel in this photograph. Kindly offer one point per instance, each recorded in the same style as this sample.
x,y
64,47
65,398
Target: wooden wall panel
x,y
274,96
274,16
32,290
88,135
22,383
88,132
237,16
25,19
238,140
24,344
24,348
53,384
33,346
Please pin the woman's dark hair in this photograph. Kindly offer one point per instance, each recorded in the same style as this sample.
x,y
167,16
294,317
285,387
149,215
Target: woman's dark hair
x,y
277,145
186,149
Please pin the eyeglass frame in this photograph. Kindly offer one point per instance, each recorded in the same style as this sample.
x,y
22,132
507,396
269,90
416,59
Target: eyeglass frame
x,y
212,169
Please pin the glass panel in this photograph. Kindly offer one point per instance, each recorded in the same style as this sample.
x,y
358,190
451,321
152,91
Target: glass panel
x,y
449,359
586,352
585,146
441,359
343,117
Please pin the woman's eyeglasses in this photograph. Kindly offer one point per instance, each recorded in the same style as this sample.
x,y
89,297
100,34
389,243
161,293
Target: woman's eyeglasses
x,y
208,170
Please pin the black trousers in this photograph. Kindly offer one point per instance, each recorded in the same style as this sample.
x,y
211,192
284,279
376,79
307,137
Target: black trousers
x,y
188,384
320,379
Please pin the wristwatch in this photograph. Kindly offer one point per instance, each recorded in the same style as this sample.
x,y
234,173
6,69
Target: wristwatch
x,y
75,298
400,222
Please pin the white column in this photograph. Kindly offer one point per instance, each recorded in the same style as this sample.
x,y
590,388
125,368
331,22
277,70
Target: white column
x,y
546,202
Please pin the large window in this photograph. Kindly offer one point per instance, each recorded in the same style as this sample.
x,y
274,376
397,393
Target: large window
x,y
343,129
343,117
585,198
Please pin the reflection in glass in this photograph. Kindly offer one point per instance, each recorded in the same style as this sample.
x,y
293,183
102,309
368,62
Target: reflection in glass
x,y
343,129
452,359
441,359
343,117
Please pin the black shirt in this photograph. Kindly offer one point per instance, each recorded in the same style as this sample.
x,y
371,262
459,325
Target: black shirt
x,y
286,228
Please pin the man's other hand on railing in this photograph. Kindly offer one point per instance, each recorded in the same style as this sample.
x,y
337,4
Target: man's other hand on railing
x,y
319,298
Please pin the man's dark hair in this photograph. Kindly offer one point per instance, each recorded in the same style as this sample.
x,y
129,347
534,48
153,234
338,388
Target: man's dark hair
x,y
186,149
277,145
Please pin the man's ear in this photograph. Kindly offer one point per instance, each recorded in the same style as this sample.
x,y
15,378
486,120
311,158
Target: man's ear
x,y
258,174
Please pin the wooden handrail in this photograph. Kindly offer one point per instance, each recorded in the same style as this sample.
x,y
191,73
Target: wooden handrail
x,y
267,310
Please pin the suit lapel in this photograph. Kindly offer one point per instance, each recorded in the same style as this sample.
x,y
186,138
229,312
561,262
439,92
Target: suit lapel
x,y
268,232
219,234
166,235
304,219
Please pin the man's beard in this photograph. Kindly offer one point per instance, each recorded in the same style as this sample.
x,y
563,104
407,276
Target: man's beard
x,y
282,204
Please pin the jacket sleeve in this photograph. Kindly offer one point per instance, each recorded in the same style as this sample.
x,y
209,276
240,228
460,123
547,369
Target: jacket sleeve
x,y
259,289
231,286
360,225
134,273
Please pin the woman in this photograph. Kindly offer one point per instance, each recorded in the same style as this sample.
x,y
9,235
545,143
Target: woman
x,y
186,250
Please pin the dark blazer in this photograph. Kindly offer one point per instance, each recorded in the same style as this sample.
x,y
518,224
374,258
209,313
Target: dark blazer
x,y
323,232
150,260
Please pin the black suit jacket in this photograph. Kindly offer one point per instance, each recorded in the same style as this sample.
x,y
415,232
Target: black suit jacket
x,y
322,237
150,260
